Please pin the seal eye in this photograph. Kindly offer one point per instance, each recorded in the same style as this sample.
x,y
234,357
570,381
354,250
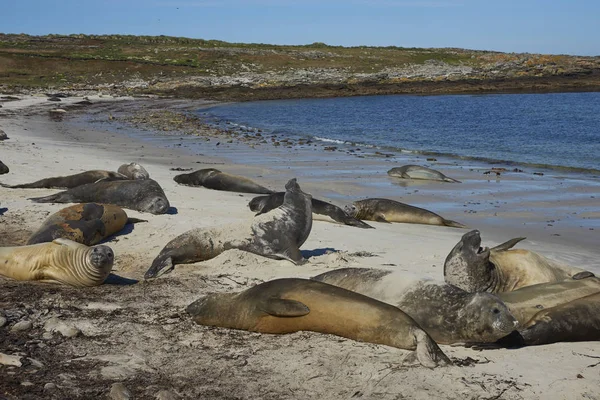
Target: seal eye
x,y
496,311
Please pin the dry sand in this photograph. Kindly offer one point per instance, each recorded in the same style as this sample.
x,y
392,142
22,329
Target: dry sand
x,y
140,335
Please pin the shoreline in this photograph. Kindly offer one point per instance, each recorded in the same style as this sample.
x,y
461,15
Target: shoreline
x,y
139,334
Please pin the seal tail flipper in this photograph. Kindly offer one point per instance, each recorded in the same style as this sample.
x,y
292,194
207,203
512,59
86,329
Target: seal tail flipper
x,y
454,224
448,179
428,352
135,220
53,198
508,244
583,275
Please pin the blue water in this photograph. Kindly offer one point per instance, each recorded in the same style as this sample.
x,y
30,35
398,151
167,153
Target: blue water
x,y
558,129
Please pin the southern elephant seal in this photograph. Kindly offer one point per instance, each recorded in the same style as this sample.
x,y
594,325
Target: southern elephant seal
x,y
418,172
133,171
292,305
277,234
448,314
69,181
578,320
60,261
385,210
3,168
263,204
87,223
212,178
144,195
476,269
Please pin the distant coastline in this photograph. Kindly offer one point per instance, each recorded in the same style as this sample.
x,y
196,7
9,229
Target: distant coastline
x,y
210,69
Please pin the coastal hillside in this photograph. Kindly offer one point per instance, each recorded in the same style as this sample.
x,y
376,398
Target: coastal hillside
x,y
184,67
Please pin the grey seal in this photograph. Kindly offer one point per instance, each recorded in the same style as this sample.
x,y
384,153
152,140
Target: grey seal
x,y
133,171
292,305
277,234
386,210
419,172
141,195
212,178
448,314
69,181
263,204
476,269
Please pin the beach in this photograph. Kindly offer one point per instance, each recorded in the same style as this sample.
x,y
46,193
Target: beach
x,y
140,335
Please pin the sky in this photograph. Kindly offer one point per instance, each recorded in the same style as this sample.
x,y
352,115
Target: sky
x,y
533,26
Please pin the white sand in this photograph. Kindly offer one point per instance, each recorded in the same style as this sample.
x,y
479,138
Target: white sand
x,y
196,361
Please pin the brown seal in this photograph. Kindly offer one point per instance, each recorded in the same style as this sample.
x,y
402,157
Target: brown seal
x,y
212,178
419,172
60,261
277,234
386,210
450,315
86,223
476,269
69,181
292,305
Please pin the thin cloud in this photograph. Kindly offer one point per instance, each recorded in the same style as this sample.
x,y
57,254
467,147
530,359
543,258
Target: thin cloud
x,y
284,3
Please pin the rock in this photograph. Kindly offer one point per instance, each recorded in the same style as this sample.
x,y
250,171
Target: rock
x,y
56,325
3,135
22,326
47,335
167,395
6,359
35,363
26,383
2,321
118,391
49,386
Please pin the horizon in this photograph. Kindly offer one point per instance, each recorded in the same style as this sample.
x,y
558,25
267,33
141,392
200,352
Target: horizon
x,y
525,26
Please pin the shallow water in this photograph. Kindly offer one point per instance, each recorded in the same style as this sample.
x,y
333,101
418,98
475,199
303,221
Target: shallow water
x,y
557,129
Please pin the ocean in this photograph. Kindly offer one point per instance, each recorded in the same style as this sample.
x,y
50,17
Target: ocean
x,y
556,130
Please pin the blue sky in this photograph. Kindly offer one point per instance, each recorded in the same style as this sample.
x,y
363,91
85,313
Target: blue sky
x,y
535,26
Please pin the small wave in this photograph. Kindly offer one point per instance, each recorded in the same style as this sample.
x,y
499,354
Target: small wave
x,y
329,140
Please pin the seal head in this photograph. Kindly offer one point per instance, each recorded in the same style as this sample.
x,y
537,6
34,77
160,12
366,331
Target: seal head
x,y
468,264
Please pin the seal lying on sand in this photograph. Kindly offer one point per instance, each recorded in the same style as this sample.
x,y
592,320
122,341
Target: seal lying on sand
x,y
212,178
3,168
418,172
133,171
450,315
385,210
142,195
87,223
476,269
70,181
277,234
263,204
60,261
292,305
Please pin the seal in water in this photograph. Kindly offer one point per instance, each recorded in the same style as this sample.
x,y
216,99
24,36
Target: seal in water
x,y
292,305
133,171
476,269
60,261
3,168
385,210
70,181
263,204
277,234
144,195
418,172
212,178
448,314
87,223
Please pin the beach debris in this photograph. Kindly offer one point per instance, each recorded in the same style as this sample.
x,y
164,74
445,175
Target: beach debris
x,y
538,173
432,159
180,169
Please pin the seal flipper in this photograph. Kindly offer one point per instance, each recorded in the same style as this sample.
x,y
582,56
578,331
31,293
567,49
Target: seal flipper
x,y
583,275
61,197
454,224
285,308
161,265
508,245
428,353
381,218
292,254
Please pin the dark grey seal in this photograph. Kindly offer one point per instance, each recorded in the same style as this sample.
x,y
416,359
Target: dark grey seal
x,y
69,181
476,269
263,204
3,168
292,305
141,195
277,234
212,178
418,172
448,314
386,210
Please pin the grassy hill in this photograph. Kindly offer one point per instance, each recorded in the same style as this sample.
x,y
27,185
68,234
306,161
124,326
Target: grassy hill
x,y
210,68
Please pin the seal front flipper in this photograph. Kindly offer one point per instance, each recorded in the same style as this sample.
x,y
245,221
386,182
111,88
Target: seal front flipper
x,y
285,307
508,245
292,254
161,265
381,218
428,353
583,275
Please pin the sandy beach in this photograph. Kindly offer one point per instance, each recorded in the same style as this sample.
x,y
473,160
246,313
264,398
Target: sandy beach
x,y
140,335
